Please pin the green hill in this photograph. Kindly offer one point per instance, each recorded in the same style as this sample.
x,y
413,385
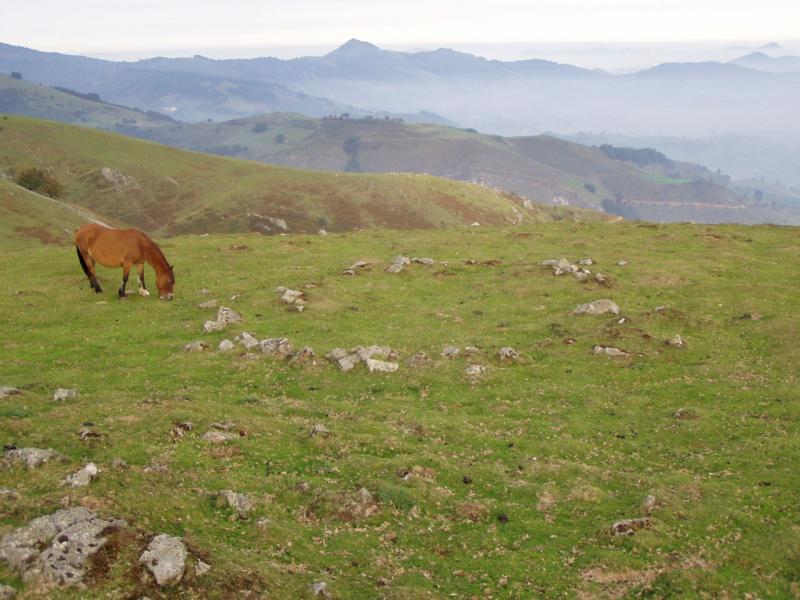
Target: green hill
x,y
169,191
425,482
542,168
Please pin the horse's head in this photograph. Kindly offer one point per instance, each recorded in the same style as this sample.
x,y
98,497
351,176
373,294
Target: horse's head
x,y
165,282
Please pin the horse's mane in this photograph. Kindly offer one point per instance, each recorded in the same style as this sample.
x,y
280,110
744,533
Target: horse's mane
x,y
156,248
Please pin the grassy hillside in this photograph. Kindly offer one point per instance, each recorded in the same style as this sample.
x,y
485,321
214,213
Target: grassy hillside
x,y
34,100
502,486
27,218
171,191
542,168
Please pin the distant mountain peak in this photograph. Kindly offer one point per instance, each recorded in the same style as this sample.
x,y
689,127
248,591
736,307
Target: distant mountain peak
x,y
354,46
771,46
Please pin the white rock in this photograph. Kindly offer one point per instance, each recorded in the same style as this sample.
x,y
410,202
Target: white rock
x,y
475,370
348,362
381,366
195,346
598,307
165,558
62,394
276,346
248,340
226,346
609,351
508,353
82,477
7,390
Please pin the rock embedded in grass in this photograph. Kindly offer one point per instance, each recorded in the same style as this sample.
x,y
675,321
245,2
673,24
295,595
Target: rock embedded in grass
x,y
508,353
248,340
475,370
199,346
630,526
209,304
348,362
82,477
33,457
7,592
7,390
450,351
241,504
609,351
675,341
380,352
419,359
337,354
62,394
276,346
57,549
165,558
381,366
226,346
597,307
219,437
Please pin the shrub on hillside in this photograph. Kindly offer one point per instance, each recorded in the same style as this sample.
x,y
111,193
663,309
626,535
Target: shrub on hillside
x,y
39,181
590,187
16,75
280,139
259,128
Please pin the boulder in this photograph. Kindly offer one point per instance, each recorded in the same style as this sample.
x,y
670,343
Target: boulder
x,y
508,353
83,477
348,362
62,394
165,558
247,340
598,307
57,549
368,352
630,526
586,262
276,346
33,457
7,390
450,351
226,346
380,366
336,354
609,351
241,504
291,296
199,346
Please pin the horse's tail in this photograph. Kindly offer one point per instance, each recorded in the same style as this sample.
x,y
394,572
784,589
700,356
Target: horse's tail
x,y
83,262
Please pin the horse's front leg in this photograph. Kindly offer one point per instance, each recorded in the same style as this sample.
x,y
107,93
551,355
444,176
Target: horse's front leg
x,y
126,269
142,287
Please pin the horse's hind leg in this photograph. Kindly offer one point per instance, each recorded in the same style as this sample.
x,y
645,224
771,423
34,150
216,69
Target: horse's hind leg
x,y
87,263
126,269
142,287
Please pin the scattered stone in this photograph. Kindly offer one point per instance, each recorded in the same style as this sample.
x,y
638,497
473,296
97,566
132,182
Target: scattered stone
x,y
600,278
320,588
33,457
319,429
581,276
226,346
380,352
349,272
62,394
397,264
630,526
241,504
119,464
471,350
181,429
348,362
293,297
649,504
684,414
7,390
337,354
219,437
8,494
247,340
86,434
83,477
417,360
360,264
744,317
475,370
598,307
201,568
199,346
586,262
7,592
422,261
276,346
622,263
225,316
508,353
381,366
157,468
204,291
322,232
609,351
451,351
57,549
569,341
676,341
209,304
165,558
305,354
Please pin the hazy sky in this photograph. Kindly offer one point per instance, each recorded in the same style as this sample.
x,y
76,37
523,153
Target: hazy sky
x,y
136,28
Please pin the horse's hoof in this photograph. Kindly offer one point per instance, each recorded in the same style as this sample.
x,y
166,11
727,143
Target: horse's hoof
x,y
143,292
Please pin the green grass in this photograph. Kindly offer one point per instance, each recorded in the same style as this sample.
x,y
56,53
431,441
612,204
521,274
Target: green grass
x,y
562,442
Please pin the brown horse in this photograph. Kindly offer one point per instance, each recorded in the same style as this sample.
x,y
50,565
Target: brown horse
x,y
123,248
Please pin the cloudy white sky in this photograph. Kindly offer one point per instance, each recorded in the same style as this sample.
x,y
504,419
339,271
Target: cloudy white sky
x,y
139,28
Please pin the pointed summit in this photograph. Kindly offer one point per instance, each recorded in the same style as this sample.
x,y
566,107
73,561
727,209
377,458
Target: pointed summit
x,y
354,47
